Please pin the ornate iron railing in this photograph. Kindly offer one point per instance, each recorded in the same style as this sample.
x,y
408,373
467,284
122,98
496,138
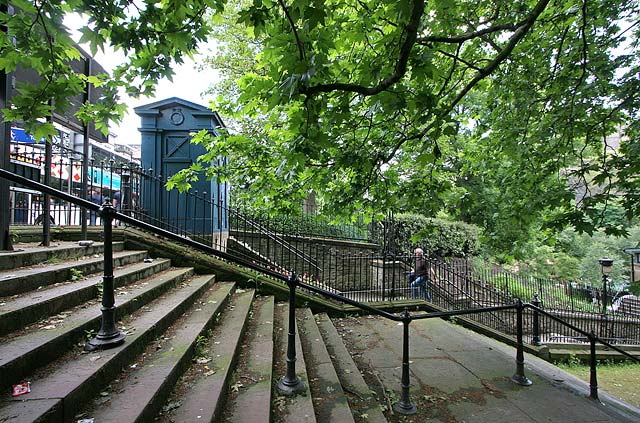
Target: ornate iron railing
x,y
139,193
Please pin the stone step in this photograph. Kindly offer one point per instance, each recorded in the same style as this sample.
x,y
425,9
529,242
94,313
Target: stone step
x,y
329,401
26,279
22,354
563,355
18,312
60,390
203,391
29,254
157,371
297,408
361,398
251,402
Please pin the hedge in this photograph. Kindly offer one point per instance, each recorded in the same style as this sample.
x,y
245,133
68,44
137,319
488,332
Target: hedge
x,y
438,237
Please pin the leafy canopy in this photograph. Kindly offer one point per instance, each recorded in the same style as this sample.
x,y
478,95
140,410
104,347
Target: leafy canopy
x,y
497,113
152,35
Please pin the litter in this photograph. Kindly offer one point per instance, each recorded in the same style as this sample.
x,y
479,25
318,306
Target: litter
x,y
21,389
85,243
148,260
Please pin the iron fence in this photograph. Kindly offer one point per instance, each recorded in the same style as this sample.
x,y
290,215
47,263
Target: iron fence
x,y
311,222
556,294
352,269
290,384
574,305
142,194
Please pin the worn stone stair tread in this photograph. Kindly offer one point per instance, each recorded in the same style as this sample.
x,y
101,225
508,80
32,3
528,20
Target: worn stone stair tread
x,y
18,354
22,280
35,255
76,380
30,307
298,408
330,402
151,383
253,401
350,377
203,400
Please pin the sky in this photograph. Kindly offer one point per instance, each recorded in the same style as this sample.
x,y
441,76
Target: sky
x,y
188,83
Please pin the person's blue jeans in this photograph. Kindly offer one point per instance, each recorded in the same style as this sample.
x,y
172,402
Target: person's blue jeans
x,y
419,288
92,218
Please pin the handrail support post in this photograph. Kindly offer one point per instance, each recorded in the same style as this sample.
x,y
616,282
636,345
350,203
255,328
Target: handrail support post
x,y
405,406
519,376
108,336
593,377
291,384
535,340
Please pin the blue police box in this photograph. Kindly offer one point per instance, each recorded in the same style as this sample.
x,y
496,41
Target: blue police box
x,y
166,128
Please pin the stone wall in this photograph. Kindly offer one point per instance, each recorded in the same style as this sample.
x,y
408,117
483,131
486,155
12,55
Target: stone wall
x,y
341,265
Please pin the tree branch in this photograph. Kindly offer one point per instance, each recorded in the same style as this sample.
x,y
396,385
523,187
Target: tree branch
x,y
452,70
520,32
456,57
411,31
293,29
469,35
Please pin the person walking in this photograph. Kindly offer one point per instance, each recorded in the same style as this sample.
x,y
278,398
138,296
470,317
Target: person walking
x,y
97,198
421,279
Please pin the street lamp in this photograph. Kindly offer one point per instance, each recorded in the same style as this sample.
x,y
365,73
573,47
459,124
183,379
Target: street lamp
x,y
607,267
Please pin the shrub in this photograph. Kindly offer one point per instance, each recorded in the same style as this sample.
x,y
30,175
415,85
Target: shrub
x,y
437,237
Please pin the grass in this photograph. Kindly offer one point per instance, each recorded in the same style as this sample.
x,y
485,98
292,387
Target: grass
x,y
53,260
617,379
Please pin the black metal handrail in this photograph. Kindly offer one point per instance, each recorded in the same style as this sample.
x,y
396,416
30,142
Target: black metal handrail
x,y
138,223
466,294
276,238
290,384
405,406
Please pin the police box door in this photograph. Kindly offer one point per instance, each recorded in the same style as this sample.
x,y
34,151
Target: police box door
x,y
189,212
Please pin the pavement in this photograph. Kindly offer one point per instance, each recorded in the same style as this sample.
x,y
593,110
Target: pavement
x,y
460,376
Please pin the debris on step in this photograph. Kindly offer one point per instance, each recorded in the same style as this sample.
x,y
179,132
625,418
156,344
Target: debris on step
x,y
21,389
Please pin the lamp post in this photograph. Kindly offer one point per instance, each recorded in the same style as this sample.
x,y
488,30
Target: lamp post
x,y
607,266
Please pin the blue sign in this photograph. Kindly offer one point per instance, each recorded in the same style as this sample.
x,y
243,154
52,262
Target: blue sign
x,y
20,135
105,179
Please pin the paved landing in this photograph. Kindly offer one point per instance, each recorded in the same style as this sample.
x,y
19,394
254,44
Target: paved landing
x,y
460,376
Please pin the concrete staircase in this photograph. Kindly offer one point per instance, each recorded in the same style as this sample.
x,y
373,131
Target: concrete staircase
x,y
196,349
